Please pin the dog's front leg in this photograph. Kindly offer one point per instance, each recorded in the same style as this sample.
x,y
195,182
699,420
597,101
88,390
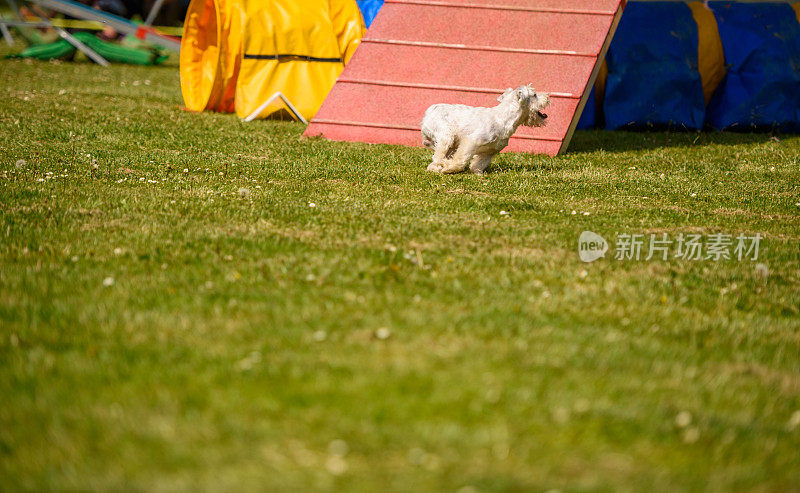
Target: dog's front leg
x,y
480,162
460,160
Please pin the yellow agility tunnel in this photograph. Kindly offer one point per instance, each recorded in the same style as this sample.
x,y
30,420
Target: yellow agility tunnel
x,y
235,54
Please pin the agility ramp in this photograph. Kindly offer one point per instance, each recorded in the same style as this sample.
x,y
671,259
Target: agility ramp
x,y
421,52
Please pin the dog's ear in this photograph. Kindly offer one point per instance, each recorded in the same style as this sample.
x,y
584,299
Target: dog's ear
x,y
503,96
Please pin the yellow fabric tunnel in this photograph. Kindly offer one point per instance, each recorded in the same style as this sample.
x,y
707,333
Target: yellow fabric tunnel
x,y
210,54
235,54
710,54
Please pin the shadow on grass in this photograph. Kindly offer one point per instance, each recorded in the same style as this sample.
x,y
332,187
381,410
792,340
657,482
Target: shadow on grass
x,y
585,141
622,141
528,164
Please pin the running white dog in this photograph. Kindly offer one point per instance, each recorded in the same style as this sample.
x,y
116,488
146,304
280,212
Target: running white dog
x,y
467,137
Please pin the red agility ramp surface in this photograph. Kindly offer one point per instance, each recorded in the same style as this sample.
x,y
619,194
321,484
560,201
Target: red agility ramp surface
x,y
421,52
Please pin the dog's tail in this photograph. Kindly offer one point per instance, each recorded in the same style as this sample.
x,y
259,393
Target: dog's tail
x,y
448,143
429,126
428,139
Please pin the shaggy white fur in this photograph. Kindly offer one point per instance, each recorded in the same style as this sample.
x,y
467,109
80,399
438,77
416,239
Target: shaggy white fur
x,y
468,137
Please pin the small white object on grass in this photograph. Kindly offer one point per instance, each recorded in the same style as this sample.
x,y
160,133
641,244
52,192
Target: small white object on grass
x,y
20,163
683,419
691,435
504,213
582,405
416,456
382,333
471,489
108,282
560,415
794,421
338,447
319,335
312,204
249,361
336,465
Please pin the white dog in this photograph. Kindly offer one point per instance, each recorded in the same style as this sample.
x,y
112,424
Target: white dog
x,y
467,137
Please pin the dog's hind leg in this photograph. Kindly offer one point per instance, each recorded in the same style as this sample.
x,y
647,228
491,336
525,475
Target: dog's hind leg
x,y
480,162
436,168
438,159
461,158
440,151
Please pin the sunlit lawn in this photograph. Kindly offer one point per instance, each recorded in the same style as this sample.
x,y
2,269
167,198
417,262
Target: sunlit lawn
x,y
229,306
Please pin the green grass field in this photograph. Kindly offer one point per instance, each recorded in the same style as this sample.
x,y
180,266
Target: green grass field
x,y
222,306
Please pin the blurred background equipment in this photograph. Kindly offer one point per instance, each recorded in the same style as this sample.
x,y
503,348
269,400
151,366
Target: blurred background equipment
x,y
119,39
672,64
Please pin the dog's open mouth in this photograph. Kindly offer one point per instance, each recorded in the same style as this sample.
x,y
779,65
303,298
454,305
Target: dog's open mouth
x,y
543,116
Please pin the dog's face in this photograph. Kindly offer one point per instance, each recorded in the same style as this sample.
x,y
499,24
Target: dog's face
x,y
530,101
